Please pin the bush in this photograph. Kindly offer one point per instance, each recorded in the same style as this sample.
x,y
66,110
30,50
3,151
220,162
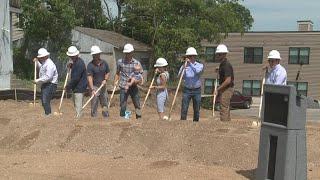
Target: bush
x,y
23,68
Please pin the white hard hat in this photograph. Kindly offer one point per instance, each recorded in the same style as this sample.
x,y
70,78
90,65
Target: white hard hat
x,y
95,50
128,48
42,52
274,54
191,51
72,51
222,49
161,62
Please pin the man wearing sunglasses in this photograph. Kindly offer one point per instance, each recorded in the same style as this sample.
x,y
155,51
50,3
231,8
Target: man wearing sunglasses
x,y
276,74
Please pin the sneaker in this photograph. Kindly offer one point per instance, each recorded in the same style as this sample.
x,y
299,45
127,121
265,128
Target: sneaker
x,y
127,114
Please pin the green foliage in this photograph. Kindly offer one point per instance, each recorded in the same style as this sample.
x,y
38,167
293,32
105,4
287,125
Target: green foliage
x,y
22,66
48,27
170,27
89,13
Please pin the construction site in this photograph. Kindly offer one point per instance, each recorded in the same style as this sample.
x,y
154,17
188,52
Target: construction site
x,y
60,147
272,133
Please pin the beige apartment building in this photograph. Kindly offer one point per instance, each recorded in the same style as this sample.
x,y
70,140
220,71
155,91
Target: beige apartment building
x,y
300,50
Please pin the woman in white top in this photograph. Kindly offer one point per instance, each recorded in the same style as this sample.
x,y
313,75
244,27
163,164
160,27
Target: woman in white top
x,y
161,87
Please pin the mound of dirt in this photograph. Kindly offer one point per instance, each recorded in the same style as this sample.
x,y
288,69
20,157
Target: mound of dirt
x,y
33,146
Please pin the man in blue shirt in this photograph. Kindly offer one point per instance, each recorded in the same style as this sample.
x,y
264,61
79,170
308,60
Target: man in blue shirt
x,y
276,73
78,82
192,84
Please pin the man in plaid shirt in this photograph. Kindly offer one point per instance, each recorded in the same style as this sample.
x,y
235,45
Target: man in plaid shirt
x,y
125,67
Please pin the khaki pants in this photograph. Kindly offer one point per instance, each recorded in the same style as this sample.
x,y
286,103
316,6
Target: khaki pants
x,y
78,102
226,95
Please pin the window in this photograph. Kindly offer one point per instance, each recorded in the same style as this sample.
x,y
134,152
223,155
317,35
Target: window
x,y
302,87
299,55
253,55
145,63
209,86
251,87
210,54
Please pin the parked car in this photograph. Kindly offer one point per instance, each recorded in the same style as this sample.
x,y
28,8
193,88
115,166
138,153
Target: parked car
x,y
238,100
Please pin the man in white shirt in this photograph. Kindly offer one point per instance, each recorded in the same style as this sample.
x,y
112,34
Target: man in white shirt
x,y
276,73
48,78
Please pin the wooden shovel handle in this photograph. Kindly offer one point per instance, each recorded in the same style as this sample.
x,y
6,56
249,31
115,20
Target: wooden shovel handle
x,y
35,85
261,96
145,99
92,97
63,91
178,87
113,91
214,95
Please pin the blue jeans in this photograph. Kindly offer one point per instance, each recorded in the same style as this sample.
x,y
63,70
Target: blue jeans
x,y
195,95
133,91
47,92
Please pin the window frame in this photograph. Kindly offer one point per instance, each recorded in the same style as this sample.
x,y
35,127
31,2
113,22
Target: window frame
x,y
254,61
212,87
298,56
296,84
251,87
210,58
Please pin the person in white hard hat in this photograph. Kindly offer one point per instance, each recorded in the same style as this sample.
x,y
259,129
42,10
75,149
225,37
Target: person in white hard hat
x,y
226,82
125,67
276,74
192,84
48,78
98,73
161,87
78,82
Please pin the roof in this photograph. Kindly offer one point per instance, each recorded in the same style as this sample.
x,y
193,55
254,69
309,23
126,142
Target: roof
x,y
278,32
305,21
116,39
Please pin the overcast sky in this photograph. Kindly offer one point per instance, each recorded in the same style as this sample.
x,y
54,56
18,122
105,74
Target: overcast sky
x,y
282,15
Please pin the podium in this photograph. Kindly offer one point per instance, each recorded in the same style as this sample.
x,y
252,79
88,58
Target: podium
x,y
282,148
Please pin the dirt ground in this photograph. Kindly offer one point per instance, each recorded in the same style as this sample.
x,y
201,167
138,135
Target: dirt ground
x,y
59,147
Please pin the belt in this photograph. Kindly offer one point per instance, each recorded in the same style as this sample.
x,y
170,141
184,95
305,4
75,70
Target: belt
x,y
48,83
193,88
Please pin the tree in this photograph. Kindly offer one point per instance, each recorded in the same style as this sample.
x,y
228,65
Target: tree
x,y
45,25
89,13
172,26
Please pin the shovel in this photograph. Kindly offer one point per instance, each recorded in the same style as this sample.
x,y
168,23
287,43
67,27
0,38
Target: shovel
x,y
64,90
258,122
92,96
214,95
35,85
113,91
145,99
177,90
